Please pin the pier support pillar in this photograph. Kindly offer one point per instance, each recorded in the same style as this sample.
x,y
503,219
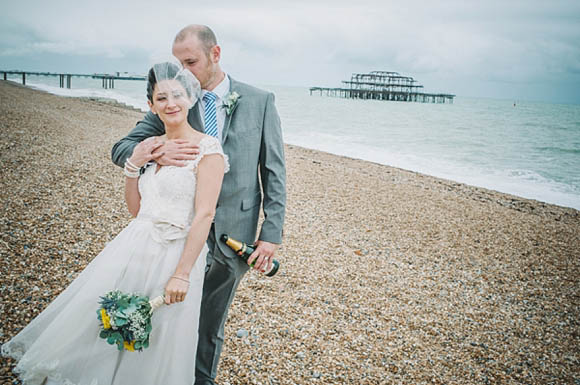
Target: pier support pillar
x,y
23,79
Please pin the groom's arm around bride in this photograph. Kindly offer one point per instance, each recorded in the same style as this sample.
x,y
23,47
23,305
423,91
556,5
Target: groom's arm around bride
x,y
251,136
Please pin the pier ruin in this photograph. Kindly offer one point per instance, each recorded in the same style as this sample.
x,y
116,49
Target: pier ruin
x,y
383,85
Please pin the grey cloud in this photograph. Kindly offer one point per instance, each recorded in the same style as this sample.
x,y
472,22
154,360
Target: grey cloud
x,y
490,45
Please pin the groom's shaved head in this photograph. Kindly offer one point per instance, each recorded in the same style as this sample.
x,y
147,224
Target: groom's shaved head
x,y
202,32
195,46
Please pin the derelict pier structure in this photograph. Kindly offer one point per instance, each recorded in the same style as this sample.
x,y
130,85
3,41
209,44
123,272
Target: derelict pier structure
x,y
383,85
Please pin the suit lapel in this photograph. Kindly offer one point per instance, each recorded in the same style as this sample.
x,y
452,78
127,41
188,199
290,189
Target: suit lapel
x,y
233,88
194,118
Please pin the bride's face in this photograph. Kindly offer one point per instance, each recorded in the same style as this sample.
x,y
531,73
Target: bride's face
x,y
170,102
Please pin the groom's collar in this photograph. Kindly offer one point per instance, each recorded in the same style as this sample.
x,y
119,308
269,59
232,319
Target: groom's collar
x,y
234,85
222,89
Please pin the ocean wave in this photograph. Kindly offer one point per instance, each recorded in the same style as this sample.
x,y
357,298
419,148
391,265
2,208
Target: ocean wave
x,y
524,183
559,150
120,97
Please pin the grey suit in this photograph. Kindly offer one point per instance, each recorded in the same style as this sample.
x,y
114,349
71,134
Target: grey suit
x,y
252,139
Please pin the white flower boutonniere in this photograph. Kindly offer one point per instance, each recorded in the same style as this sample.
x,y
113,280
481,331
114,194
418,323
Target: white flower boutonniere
x,y
230,102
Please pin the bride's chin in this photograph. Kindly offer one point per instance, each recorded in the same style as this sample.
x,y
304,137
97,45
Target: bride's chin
x,y
174,121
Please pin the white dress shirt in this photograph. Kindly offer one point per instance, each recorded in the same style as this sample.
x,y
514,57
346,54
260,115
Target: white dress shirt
x,y
221,90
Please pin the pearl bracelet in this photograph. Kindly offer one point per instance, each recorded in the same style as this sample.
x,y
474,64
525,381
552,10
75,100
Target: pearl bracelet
x,y
131,165
130,170
131,174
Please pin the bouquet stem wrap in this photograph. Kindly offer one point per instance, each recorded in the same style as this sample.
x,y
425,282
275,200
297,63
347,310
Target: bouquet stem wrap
x,y
156,303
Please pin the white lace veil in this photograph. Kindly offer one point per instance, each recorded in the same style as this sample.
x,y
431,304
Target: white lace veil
x,y
173,79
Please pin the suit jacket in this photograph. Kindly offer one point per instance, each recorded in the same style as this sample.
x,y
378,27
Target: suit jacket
x,y
252,140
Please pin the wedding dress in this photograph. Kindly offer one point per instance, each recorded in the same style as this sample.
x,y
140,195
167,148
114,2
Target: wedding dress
x,y
63,342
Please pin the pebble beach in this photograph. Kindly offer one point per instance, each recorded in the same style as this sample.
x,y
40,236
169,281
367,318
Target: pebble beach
x,y
387,276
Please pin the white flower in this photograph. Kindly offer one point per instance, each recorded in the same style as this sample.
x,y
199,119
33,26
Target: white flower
x,y
230,101
137,325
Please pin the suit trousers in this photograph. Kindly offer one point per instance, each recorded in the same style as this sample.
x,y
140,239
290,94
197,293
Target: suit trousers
x,y
222,277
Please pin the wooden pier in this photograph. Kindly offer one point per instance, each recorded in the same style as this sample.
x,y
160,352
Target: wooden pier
x,y
383,85
65,79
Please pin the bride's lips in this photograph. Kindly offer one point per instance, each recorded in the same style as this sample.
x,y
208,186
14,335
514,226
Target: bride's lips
x,y
172,113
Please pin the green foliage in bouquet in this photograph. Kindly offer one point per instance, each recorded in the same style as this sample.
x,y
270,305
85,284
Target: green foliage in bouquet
x,y
125,320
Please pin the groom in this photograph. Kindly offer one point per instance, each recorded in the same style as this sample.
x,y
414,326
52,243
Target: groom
x,y
249,129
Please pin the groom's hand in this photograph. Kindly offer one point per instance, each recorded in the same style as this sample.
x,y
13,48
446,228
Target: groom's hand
x,y
176,152
265,254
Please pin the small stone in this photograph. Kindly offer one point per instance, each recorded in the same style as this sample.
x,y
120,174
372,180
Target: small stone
x,y
316,374
241,333
300,355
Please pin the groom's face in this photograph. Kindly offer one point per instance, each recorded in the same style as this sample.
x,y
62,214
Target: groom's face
x,y
193,56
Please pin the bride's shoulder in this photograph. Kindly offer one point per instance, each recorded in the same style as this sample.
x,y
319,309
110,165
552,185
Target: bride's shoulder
x,y
209,143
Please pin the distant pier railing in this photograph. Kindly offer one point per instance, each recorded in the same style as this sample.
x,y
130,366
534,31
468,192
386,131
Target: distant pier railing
x,y
383,85
399,96
65,79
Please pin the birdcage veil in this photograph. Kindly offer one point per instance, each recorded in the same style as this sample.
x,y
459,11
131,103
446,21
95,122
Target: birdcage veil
x,y
171,78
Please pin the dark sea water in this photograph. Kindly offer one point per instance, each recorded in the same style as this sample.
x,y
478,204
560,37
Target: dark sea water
x,y
531,149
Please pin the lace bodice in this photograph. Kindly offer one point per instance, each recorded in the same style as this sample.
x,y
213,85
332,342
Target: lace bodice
x,y
168,194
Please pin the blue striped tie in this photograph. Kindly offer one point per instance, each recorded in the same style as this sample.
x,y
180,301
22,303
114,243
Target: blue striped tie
x,y
210,115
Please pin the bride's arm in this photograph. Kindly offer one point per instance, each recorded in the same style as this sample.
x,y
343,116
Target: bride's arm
x,y
132,196
142,153
210,173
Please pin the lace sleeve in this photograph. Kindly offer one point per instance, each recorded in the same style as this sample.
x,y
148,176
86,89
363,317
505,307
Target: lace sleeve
x,y
209,146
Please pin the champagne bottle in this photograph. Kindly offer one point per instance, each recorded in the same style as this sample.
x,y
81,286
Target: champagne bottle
x,y
244,251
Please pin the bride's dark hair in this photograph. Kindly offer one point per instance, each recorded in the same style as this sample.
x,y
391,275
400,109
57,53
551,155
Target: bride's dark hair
x,y
169,71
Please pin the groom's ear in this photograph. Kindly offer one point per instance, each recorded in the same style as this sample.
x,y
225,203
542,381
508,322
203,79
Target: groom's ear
x,y
215,54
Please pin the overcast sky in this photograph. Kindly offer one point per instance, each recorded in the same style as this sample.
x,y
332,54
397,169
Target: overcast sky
x,y
506,49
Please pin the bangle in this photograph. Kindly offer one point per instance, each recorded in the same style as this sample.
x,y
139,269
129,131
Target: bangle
x,y
128,162
181,279
131,169
131,174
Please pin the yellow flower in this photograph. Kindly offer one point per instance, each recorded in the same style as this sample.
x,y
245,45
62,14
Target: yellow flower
x,y
129,346
105,318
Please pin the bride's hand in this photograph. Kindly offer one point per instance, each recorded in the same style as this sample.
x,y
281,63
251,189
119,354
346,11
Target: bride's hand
x,y
176,289
144,151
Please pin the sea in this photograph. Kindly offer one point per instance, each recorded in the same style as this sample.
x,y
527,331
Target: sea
x,y
529,149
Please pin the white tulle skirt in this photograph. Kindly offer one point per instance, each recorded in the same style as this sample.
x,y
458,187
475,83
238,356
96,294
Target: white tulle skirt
x,y
63,342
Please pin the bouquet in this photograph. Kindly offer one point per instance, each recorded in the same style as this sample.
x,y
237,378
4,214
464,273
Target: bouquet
x,y
126,319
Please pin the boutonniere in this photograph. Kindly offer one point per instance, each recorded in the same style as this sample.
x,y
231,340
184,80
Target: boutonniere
x,y
230,102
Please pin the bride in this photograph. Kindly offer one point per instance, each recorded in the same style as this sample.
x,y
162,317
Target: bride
x,y
161,252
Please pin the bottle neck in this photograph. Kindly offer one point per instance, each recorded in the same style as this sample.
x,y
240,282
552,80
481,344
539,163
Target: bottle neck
x,y
237,246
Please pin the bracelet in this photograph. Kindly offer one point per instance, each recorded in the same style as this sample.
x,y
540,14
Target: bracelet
x,y
131,165
131,174
131,169
181,279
